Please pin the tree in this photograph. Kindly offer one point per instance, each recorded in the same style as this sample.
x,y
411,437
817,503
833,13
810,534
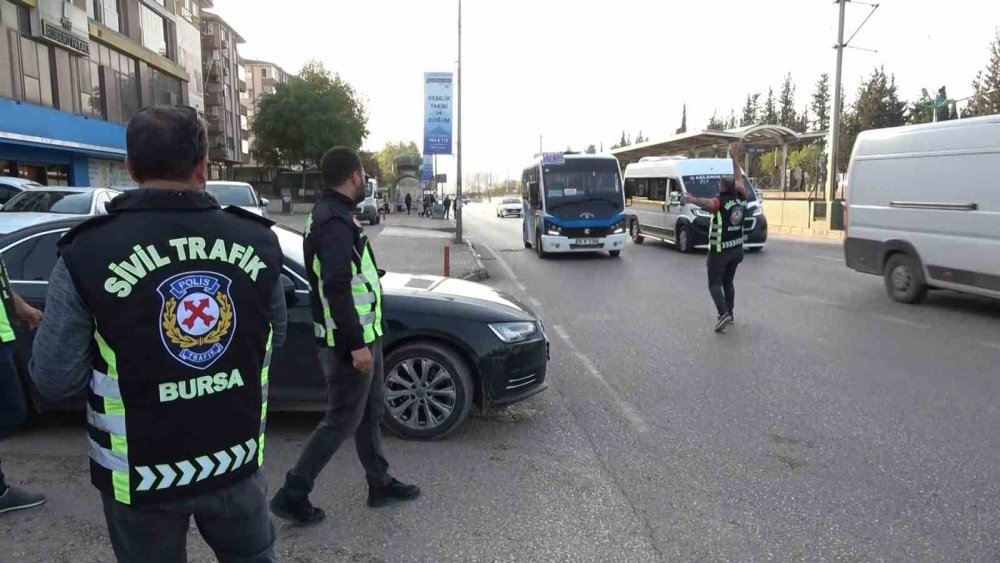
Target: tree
x,y
786,104
387,159
802,124
821,104
623,143
750,113
986,86
715,124
684,121
770,114
732,123
591,149
639,139
306,116
372,167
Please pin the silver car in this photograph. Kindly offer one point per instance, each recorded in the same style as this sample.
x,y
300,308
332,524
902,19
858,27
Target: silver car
x,y
44,204
239,194
10,187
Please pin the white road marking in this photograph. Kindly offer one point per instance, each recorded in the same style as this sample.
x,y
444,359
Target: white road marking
x,y
904,322
994,345
521,286
814,299
535,304
503,264
633,416
830,258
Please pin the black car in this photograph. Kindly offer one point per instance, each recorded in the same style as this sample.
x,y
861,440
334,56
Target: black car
x,y
469,343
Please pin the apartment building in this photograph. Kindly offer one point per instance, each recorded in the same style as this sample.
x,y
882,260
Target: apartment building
x,y
262,78
225,82
73,72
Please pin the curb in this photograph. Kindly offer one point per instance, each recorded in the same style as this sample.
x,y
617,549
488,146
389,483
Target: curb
x,y
808,233
481,273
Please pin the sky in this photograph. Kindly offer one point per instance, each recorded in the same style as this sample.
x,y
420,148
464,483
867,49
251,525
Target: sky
x,y
578,72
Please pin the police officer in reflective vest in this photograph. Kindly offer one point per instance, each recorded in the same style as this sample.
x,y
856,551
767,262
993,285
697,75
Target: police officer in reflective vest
x,y
725,239
347,313
166,312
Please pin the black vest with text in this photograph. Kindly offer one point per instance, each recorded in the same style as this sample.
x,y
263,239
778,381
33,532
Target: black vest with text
x,y
180,291
726,229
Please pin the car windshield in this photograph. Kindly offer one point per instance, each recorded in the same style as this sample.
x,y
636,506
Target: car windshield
x,y
707,186
291,245
582,180
233,194
50,201
512,200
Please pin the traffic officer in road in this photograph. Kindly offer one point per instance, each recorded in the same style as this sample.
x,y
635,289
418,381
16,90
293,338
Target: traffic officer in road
x,y
725,242
347,313
13,408
166,311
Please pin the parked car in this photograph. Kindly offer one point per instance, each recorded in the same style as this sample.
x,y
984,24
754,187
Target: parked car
x,y
10,187
239,194
470,344
662,180
45,204
923,207
510,206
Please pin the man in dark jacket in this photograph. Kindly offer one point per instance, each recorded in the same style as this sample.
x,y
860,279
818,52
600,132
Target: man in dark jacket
x,y
409,203
347,314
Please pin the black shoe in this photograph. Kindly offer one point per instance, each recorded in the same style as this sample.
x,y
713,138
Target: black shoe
x,y
394,491
16,499
299,512
724,322
732,316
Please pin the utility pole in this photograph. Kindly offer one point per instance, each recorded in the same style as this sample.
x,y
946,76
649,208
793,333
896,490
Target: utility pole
x,y
540,151
831,179
458,152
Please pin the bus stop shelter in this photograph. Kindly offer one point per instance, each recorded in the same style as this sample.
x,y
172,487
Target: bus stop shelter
x,y
711,144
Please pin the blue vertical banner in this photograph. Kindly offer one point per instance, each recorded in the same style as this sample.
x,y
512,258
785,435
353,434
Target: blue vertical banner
x,y
438,95
427,170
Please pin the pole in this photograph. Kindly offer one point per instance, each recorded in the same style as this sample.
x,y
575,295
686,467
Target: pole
x,y
458,152
831,180
540,150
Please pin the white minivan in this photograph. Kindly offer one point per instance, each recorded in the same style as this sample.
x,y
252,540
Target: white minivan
x,y
660,181
923,207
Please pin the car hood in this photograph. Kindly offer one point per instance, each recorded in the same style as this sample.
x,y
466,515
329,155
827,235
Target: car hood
x,y
251,209
457,291
14,221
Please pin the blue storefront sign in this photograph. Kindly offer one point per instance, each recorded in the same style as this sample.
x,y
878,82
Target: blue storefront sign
x,y
427,170
438,94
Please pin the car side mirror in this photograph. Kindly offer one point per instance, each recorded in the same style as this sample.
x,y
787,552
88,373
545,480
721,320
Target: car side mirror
x,y
288,286
264,202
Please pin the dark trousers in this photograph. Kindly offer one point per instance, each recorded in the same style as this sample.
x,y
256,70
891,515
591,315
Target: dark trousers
x,y
234,521
356,402
721,273
13,408
409,206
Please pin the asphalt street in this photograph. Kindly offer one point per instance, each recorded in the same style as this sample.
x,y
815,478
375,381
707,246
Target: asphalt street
x,y
829,423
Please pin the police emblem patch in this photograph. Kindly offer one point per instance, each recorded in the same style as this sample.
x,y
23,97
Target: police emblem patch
x,y
737,215
197,320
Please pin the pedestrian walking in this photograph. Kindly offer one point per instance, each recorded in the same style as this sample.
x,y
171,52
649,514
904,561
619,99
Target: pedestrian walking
x,y
346,296
447,206
725,245
167,311
13,408
409,203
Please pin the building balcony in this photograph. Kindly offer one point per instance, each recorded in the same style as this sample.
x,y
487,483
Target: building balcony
x,y
243,85
211,42
214,99
214,126
244,111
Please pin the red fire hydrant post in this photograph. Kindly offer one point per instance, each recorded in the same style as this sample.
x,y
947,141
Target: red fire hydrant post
x,y
447,260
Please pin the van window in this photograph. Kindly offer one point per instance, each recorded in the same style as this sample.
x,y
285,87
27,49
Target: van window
x,y
658,189
642,188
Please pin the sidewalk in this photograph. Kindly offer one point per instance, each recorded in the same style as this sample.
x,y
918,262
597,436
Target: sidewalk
x,y
415,245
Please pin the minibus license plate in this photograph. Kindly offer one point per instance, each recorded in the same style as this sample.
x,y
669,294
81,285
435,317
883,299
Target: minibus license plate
x,y
588,242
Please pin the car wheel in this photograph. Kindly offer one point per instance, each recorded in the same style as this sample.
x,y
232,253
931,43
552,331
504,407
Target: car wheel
x,y
634,231
428,391
903,279
684,239
615,253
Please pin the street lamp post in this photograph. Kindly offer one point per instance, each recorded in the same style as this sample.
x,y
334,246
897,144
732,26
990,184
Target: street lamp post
x,y
458,151
831,179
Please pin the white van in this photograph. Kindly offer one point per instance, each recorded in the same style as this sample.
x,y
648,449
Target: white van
x,y
923,207
659,182
368,209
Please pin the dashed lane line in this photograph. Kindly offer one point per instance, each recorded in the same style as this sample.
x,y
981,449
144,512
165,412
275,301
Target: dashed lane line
x,y
630,413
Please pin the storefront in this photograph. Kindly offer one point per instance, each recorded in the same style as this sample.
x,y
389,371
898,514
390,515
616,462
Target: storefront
x,y
53,147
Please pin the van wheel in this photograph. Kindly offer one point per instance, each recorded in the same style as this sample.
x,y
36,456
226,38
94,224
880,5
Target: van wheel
x,y
634,231
684,239
903,279
538,247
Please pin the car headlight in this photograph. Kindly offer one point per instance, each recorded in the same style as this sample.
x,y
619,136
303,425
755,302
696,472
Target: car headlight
x,y
758,211
619,227
513,332
552,229
700,212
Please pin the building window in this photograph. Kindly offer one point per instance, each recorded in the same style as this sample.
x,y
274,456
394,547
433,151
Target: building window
x,y
263,73
155,31
166,89
24,20
107,12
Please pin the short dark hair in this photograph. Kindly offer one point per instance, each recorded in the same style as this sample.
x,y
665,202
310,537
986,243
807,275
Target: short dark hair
x,y
338,164
166,143
728,183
